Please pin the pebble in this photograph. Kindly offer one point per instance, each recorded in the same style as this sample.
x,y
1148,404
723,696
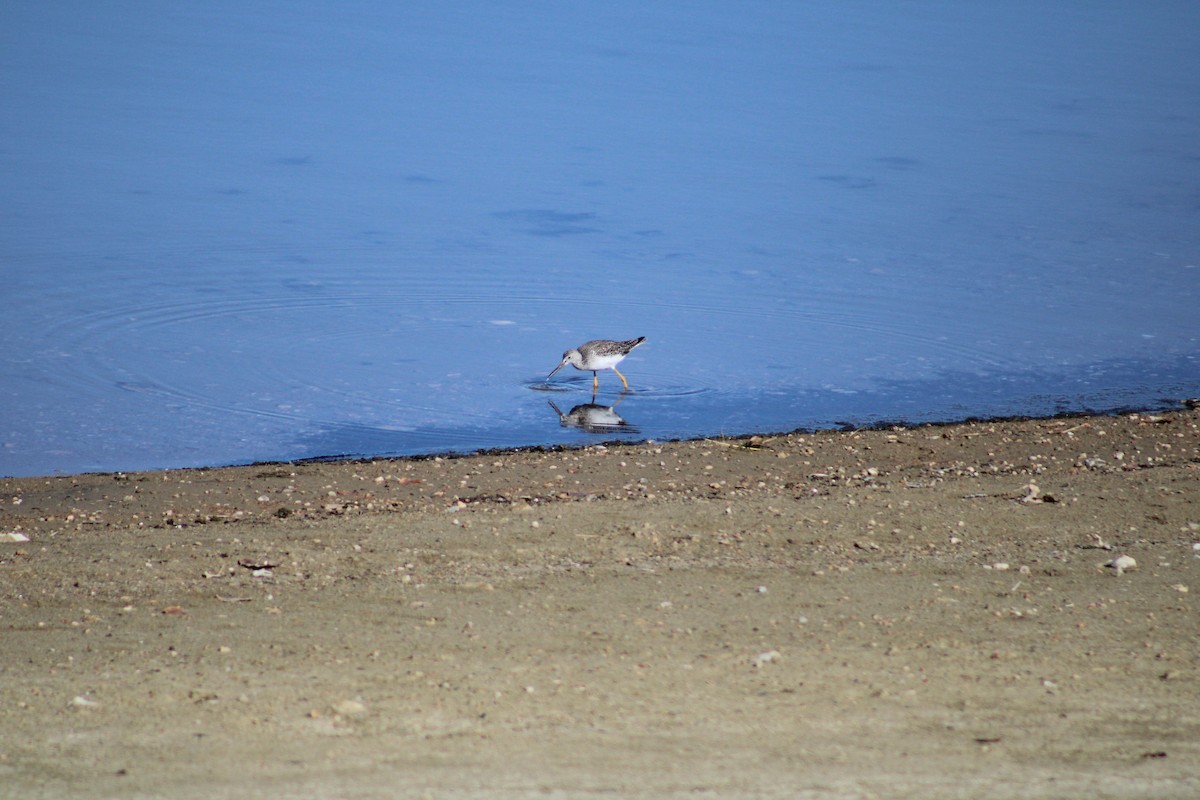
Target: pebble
x,y
766,658
1122,563
350,708
14,536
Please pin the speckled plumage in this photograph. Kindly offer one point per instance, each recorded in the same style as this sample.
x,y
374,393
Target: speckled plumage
x,y
599,354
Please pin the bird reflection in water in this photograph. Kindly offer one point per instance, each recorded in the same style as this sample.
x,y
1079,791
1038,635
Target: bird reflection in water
x,y
594,418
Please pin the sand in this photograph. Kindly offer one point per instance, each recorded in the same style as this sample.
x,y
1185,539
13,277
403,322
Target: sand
x,y
916,612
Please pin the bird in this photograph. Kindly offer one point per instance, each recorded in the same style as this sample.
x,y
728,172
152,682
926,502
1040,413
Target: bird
x,y
599,354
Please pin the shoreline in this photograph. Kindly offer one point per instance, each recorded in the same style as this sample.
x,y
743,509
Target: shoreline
x,y
760,615
1164,407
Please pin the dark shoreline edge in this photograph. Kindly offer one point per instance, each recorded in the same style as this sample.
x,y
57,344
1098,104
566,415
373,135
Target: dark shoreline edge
x,y
1165,406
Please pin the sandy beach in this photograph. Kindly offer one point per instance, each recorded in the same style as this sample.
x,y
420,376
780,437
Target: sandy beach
x,y
924,612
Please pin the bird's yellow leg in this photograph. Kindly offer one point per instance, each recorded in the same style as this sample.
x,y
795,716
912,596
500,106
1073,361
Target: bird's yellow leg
x,y
622,377
595,383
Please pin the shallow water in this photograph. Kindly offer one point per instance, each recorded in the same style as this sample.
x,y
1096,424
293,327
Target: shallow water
x,y
246,233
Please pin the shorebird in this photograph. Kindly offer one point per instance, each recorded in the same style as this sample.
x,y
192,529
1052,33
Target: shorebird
x,y
599,354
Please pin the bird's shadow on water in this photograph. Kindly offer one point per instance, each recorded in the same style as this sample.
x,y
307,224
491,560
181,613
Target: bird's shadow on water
x,y
591,417
653,390
546,386
595,418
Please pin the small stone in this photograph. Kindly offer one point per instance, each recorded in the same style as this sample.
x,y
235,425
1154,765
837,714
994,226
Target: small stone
x,y
350,708
768,657
1122,563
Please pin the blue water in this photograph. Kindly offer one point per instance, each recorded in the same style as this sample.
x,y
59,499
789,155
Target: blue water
x,y
268,231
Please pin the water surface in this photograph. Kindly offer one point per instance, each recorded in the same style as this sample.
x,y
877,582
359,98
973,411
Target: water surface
x,y
237,233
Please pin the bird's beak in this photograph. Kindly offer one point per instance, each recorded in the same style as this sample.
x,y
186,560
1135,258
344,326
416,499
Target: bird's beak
x,y
556,369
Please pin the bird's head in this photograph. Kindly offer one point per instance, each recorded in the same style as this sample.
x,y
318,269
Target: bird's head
x,y
572,357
